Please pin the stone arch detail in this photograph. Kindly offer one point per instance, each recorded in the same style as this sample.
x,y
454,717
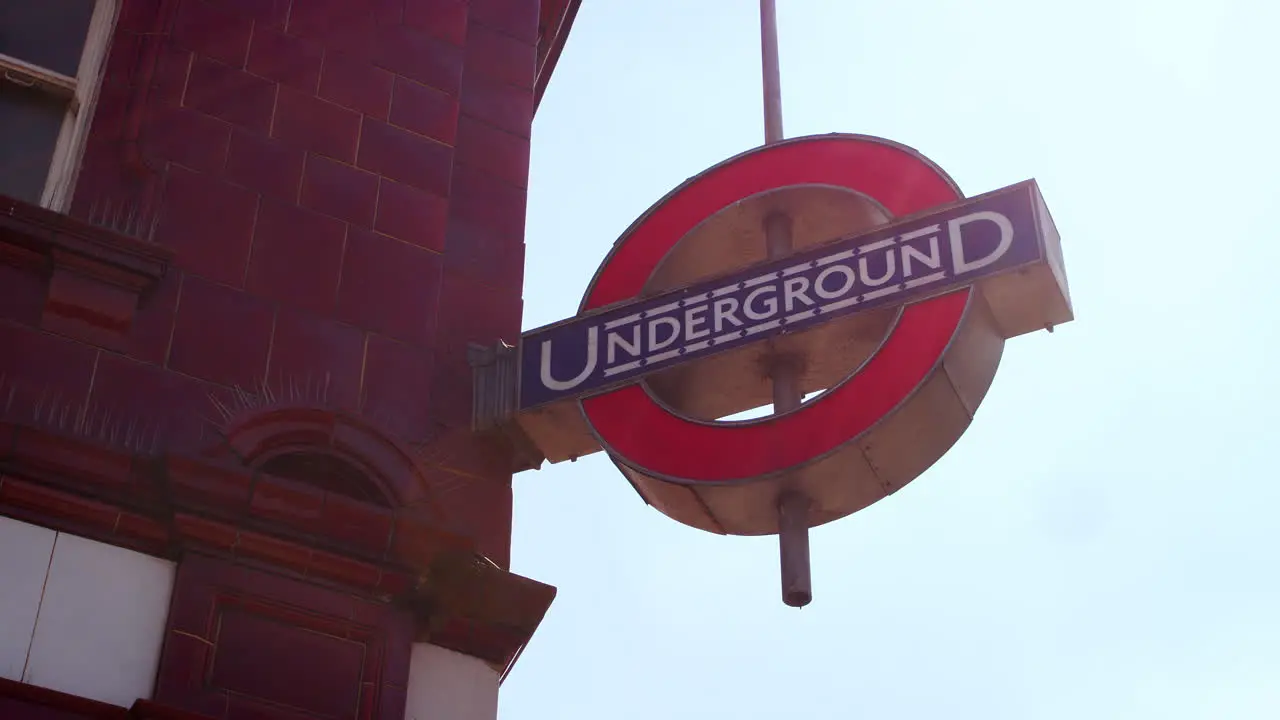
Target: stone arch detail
x,y
274,436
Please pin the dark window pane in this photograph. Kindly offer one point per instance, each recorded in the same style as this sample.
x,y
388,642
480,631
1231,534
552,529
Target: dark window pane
x,y
30,120
325,472
48,33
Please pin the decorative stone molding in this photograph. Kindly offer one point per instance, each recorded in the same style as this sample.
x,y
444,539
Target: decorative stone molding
x,y
170,504
97,276
264,434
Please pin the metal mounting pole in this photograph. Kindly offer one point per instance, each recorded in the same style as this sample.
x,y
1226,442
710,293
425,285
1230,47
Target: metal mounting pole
x,y
793,506
769,63
793,548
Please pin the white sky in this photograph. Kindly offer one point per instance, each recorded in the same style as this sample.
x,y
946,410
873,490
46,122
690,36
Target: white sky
x,y
1101,543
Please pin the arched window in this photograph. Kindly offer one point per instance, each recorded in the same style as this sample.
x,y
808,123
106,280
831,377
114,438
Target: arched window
x,y
331,450
328,472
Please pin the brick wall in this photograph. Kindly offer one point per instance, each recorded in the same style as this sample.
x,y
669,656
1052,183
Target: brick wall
x,y
342,183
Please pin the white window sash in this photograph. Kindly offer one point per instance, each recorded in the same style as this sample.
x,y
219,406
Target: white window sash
x,y
21,72
80,94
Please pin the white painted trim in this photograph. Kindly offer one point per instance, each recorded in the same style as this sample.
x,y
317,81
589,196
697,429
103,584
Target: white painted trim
x,y
447,685
81,616
69,152
26,74
100,626
25,554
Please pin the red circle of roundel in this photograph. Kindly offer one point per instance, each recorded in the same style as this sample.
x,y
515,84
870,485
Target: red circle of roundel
x,y
641,433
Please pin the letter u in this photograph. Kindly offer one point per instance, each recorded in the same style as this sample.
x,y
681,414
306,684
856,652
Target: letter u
x,y
889,268
593,336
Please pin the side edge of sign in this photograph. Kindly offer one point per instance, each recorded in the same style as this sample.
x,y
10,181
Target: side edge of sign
x,y
1052,247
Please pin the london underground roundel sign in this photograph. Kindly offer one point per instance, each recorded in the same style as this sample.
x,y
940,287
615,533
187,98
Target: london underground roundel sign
x,y
889,311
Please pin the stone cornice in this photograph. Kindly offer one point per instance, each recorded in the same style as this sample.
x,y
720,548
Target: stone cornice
x,y
62,241
96,277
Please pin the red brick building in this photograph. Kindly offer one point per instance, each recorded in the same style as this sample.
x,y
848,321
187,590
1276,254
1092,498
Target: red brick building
x,y
244,245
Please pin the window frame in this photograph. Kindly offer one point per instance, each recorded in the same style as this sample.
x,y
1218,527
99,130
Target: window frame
x,y
80,93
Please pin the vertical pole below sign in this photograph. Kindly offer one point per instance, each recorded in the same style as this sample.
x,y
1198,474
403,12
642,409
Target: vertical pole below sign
x,y
793,531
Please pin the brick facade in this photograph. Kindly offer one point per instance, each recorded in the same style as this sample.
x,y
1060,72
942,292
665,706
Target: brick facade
x,y
336,190
330,177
